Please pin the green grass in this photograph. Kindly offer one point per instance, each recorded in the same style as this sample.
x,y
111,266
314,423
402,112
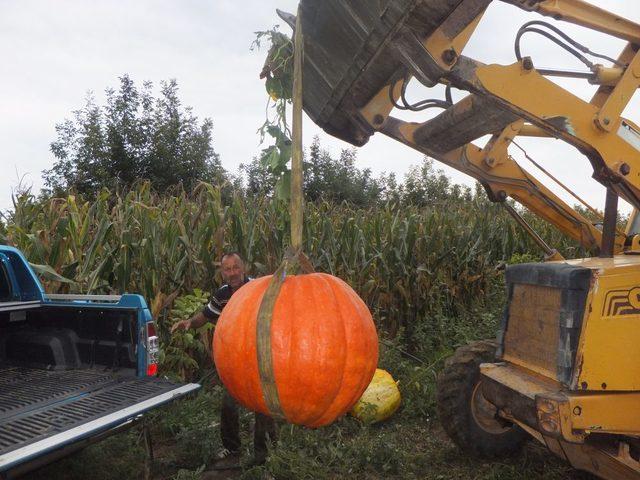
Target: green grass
x,y
403,447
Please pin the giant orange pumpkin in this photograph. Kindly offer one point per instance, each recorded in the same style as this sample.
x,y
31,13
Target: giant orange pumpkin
x,y
323,349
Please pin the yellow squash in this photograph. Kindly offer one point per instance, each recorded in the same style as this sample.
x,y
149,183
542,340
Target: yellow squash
x,y
380,400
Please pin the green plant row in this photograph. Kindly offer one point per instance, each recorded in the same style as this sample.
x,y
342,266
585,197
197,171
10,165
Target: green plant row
x,y
416,267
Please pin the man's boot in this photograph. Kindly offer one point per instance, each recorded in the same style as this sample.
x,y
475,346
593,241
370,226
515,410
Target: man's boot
x,y
229,456
264,435
225,459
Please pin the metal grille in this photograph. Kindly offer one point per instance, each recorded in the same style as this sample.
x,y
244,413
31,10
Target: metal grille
x,y
84,401
533,330
24,388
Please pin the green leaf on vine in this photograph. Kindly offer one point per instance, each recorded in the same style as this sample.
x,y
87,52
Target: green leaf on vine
x,y
278,74
283,186
285,153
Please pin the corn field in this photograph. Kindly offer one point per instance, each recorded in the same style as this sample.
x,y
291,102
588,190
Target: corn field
x,y
409,264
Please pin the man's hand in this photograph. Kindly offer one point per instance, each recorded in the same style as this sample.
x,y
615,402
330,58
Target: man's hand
x,y
195,322
181,325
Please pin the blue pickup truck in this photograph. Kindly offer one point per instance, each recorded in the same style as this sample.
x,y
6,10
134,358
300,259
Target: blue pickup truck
x,y
73,368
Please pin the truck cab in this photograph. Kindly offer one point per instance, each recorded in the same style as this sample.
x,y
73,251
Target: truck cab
x,y
73,368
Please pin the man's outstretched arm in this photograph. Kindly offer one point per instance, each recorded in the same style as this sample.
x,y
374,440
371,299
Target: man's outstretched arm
x,y
197,321
209,313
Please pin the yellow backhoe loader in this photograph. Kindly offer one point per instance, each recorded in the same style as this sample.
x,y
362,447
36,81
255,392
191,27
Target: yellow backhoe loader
x,y
565,369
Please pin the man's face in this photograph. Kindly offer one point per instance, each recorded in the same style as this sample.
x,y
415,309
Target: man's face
x,y
233,271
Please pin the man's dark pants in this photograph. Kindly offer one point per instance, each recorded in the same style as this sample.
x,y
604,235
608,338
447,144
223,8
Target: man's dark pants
x,y
263,433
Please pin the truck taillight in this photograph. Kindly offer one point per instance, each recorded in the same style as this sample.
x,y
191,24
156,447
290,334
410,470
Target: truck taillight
x,y
152,350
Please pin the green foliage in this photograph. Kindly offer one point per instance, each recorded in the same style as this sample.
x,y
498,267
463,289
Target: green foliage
x,y
191,427
134,136
416,267
523,258
185,352
275,159
339,179
424,185
258,180
278,66
597,216
119,457
403,447
278,72
134,242
184,474
326,177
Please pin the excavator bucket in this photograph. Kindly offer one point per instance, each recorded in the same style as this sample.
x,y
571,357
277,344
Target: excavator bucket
x,y
351,52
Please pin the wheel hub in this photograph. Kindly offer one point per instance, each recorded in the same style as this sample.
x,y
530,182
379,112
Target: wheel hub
x,y
485,413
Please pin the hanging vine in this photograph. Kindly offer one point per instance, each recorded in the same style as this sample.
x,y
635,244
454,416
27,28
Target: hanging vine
x,y
278,72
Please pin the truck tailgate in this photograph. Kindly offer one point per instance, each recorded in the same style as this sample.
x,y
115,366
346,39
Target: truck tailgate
x,y
41,410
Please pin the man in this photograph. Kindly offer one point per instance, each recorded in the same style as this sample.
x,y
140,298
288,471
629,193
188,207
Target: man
x,y
234,274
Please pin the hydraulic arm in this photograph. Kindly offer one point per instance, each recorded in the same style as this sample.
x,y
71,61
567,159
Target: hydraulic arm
x,y
565,368
383,46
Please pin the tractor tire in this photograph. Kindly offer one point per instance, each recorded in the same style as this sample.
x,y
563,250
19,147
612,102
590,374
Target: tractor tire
x,y
467,417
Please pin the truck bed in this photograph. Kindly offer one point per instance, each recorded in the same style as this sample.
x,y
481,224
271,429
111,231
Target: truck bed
x,y
74,369
40,409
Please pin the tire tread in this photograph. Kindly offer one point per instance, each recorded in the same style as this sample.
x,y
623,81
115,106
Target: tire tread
x,y
454,388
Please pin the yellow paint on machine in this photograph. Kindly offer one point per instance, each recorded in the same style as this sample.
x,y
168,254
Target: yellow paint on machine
x,y
608,357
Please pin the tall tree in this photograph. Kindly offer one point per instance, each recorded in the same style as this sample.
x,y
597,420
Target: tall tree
x,y
337,179
259,180
134,136
424,185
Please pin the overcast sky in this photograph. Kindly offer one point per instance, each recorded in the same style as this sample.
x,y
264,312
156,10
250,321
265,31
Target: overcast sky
x,y
53,52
